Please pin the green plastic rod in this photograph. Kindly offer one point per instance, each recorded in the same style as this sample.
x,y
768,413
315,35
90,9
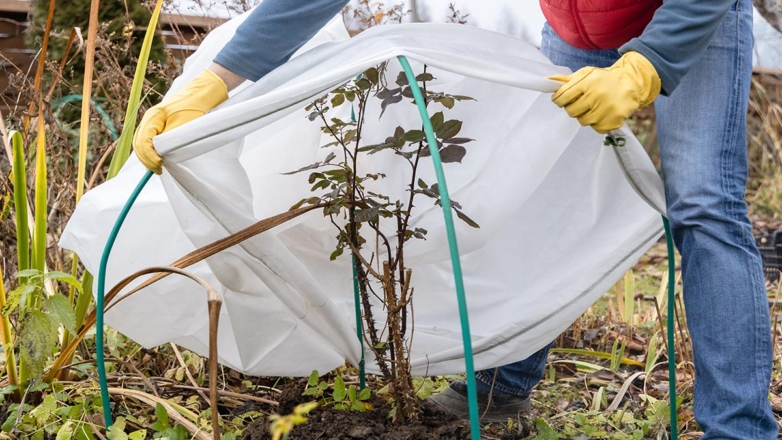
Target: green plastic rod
x,y
671,321
362,375
359,333
104,387
445,201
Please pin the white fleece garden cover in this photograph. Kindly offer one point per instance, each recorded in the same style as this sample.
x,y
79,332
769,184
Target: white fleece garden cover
x,y
561,216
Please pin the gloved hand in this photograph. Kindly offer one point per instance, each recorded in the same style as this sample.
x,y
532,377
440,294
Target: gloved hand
x,y
604,98
200,95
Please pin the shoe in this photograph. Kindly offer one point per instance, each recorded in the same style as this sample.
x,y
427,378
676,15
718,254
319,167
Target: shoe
x,y
502,407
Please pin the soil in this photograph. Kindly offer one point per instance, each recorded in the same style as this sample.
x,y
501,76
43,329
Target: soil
x,y
329,424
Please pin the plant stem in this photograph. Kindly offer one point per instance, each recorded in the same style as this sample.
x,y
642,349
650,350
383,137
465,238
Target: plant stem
x,y
89,63
8,348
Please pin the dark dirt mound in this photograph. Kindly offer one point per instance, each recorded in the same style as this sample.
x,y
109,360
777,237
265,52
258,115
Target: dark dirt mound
x,y
329,424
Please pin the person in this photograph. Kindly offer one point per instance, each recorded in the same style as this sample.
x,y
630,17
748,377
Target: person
x,y
693,59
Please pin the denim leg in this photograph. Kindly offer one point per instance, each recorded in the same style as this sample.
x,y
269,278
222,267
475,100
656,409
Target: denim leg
x,y
702,129
520,377
517,378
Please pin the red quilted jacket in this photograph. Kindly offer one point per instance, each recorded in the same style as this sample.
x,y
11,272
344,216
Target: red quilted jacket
x,y
598,24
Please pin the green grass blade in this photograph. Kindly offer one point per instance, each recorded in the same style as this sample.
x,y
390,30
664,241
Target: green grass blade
x,y
41,200
600,354
122,150
83,300
20,202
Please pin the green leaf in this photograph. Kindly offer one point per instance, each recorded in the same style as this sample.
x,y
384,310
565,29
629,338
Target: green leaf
x,y
40,386
323,386
6,390
141,434
446,101
179,433
372,75
45,410
372,149
339,389
337,252
60,308
117,430
457,140
365,394
367,215
162,422
437,120
545,432
37,337
28,273
452,153
313,380
308,167
352,393
463,217
387,93
449,129
349,136
424,77
64,277
310,391
16,297
422,184
10,421
320,185
399,133
363,84
65,432
424,388
401,79
356,405
414,136
338,99
20,201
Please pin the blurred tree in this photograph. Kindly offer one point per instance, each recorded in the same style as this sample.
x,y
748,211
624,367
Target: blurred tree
x,y
123,23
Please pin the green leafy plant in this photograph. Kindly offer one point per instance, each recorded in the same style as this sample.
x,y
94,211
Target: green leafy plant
x,y
349,398
63,413
39,316
342,397
617,354
163,428
357,212
117,431
315,388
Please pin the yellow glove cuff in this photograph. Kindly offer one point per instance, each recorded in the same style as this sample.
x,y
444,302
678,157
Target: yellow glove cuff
x,y
645,75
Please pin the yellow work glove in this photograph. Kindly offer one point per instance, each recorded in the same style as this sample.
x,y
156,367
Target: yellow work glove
x,y
200,95
604,98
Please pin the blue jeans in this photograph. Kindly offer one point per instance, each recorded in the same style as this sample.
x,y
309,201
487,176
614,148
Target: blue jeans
x,y
702,138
